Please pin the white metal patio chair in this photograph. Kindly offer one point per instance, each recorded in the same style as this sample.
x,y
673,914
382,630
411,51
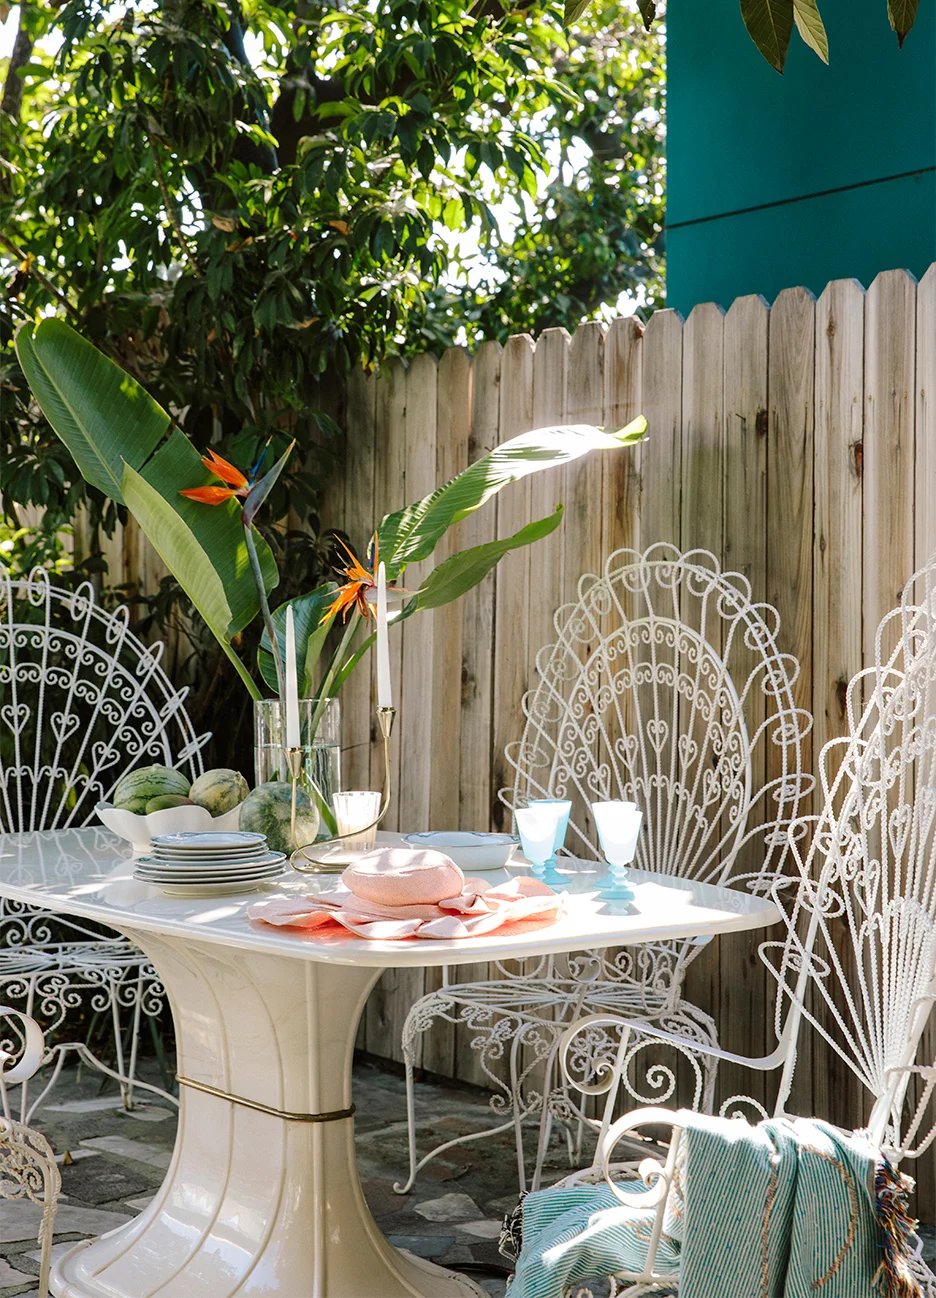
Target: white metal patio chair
x,y
28,1171
81,700
859,961
665,685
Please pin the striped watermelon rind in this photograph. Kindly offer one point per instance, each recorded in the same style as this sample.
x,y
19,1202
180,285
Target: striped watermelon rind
x,y
136,788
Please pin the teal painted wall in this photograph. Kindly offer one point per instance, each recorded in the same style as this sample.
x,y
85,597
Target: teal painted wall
x,y
822,173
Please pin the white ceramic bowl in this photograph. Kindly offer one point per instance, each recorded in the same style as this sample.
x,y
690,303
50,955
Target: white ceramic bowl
x,y
139,830
470,851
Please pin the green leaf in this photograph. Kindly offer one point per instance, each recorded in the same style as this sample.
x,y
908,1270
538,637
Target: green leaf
x,y
811,28
462,572
648,10
411,534
180,550
902,15
770,24
101,414
109,423
574,10
308,611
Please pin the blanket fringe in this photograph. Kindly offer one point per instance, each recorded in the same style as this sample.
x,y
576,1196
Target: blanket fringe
x,y
894,1277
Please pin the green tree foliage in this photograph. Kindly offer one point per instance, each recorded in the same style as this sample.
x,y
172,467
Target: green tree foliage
x,y
238,201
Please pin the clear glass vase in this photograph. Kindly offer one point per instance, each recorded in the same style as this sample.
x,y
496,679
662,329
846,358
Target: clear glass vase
x,y
320,772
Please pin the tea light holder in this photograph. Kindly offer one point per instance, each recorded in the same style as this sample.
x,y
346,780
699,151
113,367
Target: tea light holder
x,y
319,857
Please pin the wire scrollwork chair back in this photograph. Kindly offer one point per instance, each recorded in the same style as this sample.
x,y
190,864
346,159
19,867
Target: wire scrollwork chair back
x,y
82,699
859,959
666,686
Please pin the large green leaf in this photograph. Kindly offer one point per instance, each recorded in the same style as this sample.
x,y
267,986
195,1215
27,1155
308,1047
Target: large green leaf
x,y
102,415
181,551
109,423
811,28
770,25
411,534
902,15
311,631
461,572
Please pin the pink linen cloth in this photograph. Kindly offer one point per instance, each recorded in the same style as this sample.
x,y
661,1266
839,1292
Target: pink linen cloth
x,y
478,909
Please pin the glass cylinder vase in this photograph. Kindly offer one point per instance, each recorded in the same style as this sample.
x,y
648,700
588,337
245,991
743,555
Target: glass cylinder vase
x,y
320,768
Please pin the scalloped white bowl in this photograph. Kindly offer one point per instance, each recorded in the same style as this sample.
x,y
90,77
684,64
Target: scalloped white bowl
x,y
139,830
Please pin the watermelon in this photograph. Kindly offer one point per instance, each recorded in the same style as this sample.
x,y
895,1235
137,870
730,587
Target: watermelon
x,y
267,810
219,791
166,800
135,789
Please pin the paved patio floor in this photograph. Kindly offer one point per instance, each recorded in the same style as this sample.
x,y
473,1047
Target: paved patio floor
x,y
115,1162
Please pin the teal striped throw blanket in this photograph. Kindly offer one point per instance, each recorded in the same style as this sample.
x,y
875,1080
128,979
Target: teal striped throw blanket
x,y
789,1208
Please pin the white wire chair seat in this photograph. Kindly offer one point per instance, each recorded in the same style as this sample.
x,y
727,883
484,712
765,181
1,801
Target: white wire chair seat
x,y
858,963
82,699
666,686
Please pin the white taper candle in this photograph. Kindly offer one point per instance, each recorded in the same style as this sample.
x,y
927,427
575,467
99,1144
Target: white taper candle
x,y
384,695
292,684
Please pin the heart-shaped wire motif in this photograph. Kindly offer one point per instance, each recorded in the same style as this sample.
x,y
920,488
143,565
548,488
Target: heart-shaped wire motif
x,y
657,733
15,716
64,724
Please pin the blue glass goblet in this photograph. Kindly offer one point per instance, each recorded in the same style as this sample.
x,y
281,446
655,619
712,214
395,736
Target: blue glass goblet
x,y
618,825
537,829
564,806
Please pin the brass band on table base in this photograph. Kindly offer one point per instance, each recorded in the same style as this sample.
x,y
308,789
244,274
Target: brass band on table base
x,y
302,858
336,1115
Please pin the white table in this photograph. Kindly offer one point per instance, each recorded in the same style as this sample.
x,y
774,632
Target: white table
x,y
262,1196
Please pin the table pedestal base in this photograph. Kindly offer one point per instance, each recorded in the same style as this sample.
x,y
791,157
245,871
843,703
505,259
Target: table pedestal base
x,y
257,1203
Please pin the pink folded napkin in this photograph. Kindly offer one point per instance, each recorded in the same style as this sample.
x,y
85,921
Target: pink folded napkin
x,y
477,909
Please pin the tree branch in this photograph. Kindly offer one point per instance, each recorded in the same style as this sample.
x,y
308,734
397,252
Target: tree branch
x,y
12,99
32,269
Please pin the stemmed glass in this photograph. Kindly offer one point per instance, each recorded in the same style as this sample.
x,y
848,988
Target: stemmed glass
x,y
618,825
538,826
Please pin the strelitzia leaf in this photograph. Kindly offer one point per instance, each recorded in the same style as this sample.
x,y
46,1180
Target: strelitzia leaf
x,y
183,554
811,28
462,572
770,25
103,416
110,424
411,534
260,490
311,632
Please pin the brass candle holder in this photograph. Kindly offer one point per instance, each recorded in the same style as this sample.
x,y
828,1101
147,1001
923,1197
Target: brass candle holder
x,y
309,858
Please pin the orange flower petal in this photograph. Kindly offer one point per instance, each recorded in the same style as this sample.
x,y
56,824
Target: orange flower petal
x,y
209,495
222,469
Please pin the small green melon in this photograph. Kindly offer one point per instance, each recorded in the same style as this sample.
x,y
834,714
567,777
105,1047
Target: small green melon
x,y
267,810
219,791
136,788
166,800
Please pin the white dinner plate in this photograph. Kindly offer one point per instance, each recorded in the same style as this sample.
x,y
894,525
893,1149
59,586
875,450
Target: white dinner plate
x,y
209,839
222,853
473,852
188,867
151,871
209,889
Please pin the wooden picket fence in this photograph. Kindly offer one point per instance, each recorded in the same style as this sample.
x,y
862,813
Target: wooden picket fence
x,y
796,442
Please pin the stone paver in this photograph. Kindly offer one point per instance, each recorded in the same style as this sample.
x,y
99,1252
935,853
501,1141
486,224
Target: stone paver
x,y
115,1161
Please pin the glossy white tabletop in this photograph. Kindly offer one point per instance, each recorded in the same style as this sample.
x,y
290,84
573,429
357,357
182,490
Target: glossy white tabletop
x,y
89,873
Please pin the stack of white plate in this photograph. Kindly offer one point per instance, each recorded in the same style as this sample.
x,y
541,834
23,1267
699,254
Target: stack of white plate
x,y
210,863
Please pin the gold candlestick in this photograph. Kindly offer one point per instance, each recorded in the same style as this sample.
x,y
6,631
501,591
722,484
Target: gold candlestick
x,y
302,858
294,766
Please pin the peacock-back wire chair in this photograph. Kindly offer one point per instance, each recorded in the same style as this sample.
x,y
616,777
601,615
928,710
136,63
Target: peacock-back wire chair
x,y
666,686
858,963
82,699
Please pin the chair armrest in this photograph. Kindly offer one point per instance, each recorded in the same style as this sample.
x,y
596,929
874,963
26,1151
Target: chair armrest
x,y
32,1052
654,1173
630,1026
